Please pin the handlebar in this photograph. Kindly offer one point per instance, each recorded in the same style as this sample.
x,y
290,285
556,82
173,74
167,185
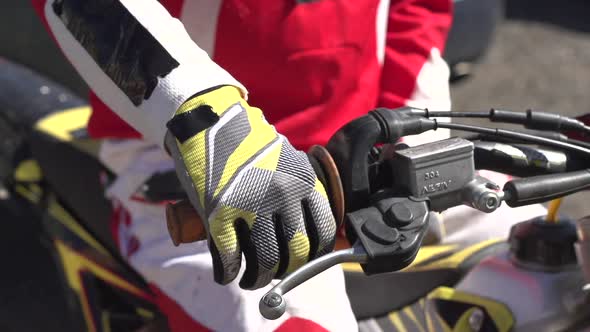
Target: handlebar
x,y
184,223
389,201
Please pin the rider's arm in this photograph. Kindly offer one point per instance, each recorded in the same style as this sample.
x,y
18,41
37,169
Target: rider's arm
x,y
413,71
137,58
259,197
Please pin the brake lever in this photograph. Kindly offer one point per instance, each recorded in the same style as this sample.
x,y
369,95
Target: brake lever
x,y
272,305
388,236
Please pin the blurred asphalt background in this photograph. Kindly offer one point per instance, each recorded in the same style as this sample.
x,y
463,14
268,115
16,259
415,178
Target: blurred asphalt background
x,y
540,59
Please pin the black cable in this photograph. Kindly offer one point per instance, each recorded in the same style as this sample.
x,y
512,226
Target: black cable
x,y
564,139
453,114
530,119
484,115
578,142
514,135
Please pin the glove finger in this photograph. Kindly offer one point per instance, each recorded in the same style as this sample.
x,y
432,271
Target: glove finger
x,y
225,266
297,240
320,223
221,268
283,246
310,229
261,249
224,245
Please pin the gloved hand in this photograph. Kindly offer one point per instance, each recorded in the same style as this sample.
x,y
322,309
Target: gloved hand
x,y
257,193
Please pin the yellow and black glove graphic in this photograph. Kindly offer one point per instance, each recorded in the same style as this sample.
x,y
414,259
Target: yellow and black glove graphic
x,y
258,194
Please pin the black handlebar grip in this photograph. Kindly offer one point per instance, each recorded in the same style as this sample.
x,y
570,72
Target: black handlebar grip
x,y
543,188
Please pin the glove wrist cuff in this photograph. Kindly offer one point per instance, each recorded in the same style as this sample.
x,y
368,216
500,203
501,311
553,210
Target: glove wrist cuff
x,y
202,111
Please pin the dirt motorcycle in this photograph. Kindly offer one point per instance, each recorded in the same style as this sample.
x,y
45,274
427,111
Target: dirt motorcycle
x,y
385,196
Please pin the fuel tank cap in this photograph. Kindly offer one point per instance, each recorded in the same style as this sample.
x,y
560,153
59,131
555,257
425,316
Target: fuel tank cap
x,y
540,245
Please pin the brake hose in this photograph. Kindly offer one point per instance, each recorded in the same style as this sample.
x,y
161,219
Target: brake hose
x,y
514,135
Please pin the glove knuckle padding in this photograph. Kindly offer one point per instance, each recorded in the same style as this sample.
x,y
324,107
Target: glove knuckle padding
x,y
258,194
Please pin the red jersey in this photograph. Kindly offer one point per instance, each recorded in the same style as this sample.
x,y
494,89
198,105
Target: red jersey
x,y
312,66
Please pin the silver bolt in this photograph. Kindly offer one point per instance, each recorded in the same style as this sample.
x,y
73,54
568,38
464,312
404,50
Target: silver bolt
x,y
272,306
273,300
476,319
491,202
488,202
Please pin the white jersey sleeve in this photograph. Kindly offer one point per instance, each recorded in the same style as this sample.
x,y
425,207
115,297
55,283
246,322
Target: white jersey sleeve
x,y
136,57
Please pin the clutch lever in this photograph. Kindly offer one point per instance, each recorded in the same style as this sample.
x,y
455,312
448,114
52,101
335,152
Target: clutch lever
x,y
272,305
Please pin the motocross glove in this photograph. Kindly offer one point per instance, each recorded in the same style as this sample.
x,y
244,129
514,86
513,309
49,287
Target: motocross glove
x,y
257,194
